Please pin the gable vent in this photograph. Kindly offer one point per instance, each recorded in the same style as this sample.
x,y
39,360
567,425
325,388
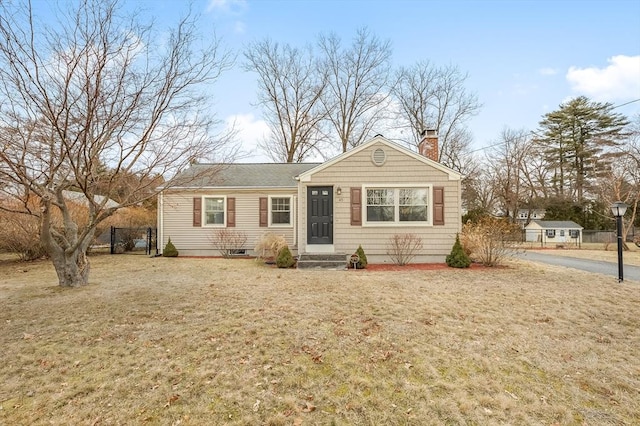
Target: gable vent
x,y
379,157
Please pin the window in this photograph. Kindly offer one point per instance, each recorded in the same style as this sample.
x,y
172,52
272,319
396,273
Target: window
x,y
395,205
380,205
562,232
413,205
214,211
281,211
551,233
574,233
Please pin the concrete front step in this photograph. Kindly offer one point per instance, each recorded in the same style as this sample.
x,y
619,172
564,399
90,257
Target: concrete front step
x,y
322,261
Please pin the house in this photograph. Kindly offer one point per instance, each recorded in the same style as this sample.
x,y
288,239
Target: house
x,y
361,197
554,232
524,216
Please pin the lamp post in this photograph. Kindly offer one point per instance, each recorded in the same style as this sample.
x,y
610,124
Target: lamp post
x,y
618,209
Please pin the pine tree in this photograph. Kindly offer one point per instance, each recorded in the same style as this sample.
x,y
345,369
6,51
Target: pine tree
x,y
458,257
170,250
574,137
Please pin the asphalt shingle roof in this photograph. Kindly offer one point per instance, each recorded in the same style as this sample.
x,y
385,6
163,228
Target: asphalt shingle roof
x,y
241,175
548,224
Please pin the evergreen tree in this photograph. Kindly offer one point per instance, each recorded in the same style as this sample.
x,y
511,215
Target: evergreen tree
x,y
574,138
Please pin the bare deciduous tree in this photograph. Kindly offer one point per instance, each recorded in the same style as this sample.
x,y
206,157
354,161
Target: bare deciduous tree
x,y
430,97
509,166
621,182
356,97
87,103
290,88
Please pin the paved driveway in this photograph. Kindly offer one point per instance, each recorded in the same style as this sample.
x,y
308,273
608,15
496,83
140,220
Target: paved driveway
x,y
608,268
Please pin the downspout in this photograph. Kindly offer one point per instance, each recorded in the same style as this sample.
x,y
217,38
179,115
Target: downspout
x,y
160,233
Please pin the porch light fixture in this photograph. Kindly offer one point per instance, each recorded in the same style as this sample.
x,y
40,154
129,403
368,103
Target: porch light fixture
x,y
338,190
619,209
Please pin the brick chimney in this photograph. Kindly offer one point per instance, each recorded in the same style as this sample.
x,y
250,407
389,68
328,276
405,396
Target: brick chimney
x,y
429,144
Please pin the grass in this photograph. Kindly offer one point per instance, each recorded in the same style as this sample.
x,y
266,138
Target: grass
x,y
215,341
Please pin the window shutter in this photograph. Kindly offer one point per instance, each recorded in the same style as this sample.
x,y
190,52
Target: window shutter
x,y
356,206
197,211
438,205
264,211
231,212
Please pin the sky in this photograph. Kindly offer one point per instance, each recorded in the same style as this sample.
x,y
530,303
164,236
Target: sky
x,y
523,58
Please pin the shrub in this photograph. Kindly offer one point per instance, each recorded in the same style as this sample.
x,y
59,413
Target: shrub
x,y
269,245
227,240
402,248
362,263
458,258
490,240
170,250
20,234
285,259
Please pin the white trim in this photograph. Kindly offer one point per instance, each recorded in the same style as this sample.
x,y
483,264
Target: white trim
x,y
160,231
397,222
291,212
453,175
204,212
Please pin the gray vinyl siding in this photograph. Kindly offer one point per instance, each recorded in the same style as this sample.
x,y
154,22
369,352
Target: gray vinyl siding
x,y
177,217
398,169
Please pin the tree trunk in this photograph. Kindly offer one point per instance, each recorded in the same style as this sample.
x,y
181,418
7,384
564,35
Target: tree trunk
x,y
72,268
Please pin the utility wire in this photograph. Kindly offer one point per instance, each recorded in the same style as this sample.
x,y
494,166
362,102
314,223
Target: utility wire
x,y
533,132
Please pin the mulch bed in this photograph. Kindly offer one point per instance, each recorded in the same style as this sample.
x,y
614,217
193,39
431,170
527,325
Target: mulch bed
x,y
416,267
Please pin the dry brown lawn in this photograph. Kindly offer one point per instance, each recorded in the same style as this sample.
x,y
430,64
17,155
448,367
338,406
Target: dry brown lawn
x,y
212,341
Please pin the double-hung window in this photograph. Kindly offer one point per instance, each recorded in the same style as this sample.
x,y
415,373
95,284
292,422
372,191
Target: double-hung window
x,y
413,204
214,211
551,233
280,211
397,205
380,205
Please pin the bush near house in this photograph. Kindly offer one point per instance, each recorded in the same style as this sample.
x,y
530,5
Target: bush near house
x,y
226,241
362,262
170,250
490,240
402,248
285,259
269,245
458,258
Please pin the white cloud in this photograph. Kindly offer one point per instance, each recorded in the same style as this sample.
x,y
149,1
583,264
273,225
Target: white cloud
x,y
620,80
250,133
548,71
239,27
227,6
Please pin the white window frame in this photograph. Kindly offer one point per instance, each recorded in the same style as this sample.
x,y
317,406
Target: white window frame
x,y
396,187
574,233
204,212
550,233
291,212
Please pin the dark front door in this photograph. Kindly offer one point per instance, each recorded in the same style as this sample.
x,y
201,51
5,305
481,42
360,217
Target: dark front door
x,y
320,215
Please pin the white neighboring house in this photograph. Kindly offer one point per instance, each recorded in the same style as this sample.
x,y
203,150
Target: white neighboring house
x,y
554,232
522,217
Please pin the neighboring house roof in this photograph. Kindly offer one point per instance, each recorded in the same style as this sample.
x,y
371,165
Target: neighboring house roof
x,y
241,175
453,175
80,197
555,224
